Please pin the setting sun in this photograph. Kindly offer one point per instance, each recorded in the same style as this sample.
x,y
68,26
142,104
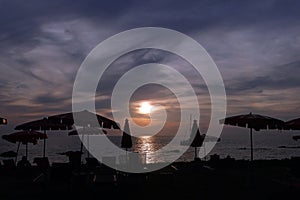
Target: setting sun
x,y
145,108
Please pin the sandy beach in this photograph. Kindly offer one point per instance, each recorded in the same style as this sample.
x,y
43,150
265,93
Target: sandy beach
x,y
213,179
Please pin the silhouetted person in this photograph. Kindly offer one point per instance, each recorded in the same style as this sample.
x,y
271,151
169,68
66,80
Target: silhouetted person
x,y
24,162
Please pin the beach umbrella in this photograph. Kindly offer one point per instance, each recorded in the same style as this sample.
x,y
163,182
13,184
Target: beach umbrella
x,y
44,124
87,131
126,141
296,137
65,121
84,119
8,154
24,137
293,124
3,121
253,121
196,138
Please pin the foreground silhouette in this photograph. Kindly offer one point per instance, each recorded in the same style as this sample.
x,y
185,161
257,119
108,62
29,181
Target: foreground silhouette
x,y
213,179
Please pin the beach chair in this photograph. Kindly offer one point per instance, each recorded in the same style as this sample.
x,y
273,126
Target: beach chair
x,y
60,172
44,167
105,176
75,159
9,164
42,162
25,169
92,162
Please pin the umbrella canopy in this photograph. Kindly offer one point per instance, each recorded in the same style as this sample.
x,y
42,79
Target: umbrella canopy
x,y
24,137
253,121
43,124
296,137
126,141
3,121
292,124
87,131
8,154
85,119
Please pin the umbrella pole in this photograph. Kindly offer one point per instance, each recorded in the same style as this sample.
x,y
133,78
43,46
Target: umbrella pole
x,y
81,146
195,153
127,159
17,153
251,143
88,145
44,151
204,151
26,151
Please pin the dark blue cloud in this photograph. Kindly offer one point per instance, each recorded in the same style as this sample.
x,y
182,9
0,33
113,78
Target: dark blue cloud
x,y
277,78
255,44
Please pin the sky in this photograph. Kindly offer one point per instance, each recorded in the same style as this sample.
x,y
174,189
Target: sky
x,y
255,45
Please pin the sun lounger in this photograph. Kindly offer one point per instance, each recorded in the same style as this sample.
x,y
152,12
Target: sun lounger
x,y
105,176
92,162
42,162
9,164
60,172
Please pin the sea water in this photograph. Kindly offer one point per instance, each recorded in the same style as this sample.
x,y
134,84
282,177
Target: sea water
x,y
266,145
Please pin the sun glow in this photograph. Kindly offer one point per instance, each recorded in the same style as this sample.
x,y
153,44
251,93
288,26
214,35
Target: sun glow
x,y
145,108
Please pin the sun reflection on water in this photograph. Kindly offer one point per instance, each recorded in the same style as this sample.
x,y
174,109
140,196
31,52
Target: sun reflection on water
x,y
150,145
147,145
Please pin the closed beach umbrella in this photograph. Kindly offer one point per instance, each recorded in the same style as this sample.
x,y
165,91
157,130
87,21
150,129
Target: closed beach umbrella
x,y
126,141
3,121
24,137
197,138
253,121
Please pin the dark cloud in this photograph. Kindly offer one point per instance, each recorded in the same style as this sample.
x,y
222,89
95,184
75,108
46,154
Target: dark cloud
x,y
47,99
255,44
277,78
